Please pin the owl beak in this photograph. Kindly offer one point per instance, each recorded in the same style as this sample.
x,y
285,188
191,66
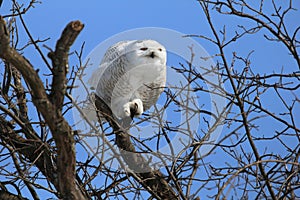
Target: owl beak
x,y
152,54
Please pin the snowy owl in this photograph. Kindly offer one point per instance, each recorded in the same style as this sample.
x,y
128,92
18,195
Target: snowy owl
x,y
131,76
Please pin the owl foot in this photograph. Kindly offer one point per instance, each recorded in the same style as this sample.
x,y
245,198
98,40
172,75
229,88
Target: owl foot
x,y
133,108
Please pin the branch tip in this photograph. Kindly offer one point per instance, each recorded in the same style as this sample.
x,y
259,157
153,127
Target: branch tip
x,y
77,25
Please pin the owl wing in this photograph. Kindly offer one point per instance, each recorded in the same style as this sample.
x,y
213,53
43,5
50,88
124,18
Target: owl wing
x,y
110,55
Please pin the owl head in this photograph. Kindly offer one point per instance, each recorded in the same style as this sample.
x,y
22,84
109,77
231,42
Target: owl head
x,y
146,52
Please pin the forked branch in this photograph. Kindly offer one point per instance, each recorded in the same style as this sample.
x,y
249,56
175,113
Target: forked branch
x,y
51,110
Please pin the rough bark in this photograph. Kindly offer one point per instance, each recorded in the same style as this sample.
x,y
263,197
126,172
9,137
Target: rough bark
x,y
152,180
10,196
50,107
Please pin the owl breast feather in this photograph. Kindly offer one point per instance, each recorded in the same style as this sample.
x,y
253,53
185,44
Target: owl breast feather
x,y
120,81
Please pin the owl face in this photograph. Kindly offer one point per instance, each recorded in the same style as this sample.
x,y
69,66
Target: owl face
x,y
146,52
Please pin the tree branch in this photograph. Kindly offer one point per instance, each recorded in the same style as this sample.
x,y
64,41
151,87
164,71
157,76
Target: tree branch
x,y
37,152
152,180
10,196
239,101
60,62
61,130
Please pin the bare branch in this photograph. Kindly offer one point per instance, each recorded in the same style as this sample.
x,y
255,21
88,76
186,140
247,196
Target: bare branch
x,y
62,132
152,180
60,62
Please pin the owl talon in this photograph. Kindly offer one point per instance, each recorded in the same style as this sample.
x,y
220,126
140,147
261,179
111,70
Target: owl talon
x,y
133,108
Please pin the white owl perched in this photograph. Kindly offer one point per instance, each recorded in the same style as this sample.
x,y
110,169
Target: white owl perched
x,y
131,76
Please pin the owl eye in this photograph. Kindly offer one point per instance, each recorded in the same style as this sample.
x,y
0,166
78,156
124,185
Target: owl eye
x,y
143,48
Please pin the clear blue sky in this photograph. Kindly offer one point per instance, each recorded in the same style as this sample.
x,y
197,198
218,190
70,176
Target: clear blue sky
x,y
104,19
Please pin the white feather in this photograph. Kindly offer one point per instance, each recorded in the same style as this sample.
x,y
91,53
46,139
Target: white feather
x,y
126,74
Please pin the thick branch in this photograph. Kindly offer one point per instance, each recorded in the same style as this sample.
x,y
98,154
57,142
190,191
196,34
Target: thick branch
x,y
10,196
61,131
152,180
60,62
37,152
12,56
